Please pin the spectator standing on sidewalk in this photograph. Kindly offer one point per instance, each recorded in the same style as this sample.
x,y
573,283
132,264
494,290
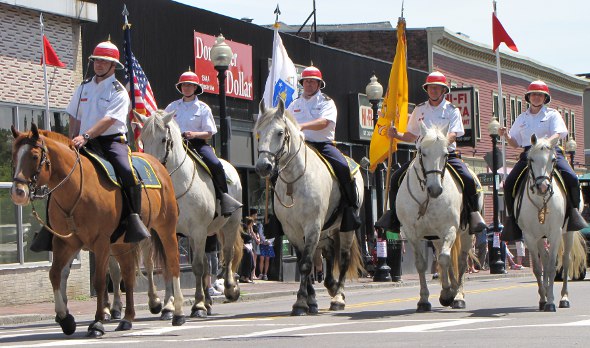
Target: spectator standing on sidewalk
x,y
211,251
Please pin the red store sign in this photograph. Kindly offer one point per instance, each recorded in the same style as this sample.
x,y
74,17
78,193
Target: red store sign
x,y
238,83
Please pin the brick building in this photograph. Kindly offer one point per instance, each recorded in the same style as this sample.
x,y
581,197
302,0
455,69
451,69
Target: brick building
x,y
21,103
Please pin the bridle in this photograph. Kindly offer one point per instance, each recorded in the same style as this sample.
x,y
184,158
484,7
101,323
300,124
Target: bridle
x,y
168,143
542,211
425,172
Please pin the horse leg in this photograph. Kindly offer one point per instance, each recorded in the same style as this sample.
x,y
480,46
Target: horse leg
x,y
231,231
535,250
96,329
127,262
61,259
114,311
458,281
170,245
199,310
549,270
568,242
421,264
329,281
208,299
305,262
448,292
154,302
168,308
345,240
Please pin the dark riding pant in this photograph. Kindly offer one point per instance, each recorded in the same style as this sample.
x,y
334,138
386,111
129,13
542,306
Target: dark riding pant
x,y
117,152
215,167
336,159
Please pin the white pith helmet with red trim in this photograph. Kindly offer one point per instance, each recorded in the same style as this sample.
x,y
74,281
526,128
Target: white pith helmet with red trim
x,y
538,87
107,51
436,78
313,73
191,78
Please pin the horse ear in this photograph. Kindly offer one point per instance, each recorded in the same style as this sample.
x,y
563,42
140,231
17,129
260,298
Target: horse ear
x,y
168,117
281,107
534,139
261,106
423,129
141,118
15,133
35,131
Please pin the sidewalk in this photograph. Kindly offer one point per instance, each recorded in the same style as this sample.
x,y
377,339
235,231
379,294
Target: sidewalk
x,y
28,313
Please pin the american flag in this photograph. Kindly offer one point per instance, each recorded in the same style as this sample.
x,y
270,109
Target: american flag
x,y
145,103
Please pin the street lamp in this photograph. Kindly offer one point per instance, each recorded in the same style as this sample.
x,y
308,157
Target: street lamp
x,y
221,56
374,92
496,263
570,148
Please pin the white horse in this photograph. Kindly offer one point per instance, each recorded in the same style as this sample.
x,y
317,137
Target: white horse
x,y
542,215
195,194
306,195
429,207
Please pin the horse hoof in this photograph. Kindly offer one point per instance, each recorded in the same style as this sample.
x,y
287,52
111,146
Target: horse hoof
x,y
156,309
313,309
199,313
95,330
124,325
166,315
297,312
232,296
68,324
107,317
209,310
337,306
116,314
549,307
178,320
564,304
542,305
424,307
445,302
458,304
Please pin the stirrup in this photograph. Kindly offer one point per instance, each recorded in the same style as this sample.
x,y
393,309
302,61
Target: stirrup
x,y
511,230
350,220
389,222
136,230
575,222
42,241
229,205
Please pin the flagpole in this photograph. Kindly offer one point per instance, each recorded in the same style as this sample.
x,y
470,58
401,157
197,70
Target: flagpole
x,y
500,104
47,124
127,37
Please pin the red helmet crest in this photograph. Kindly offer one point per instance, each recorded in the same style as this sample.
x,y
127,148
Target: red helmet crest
x,y
107,51
538,87
311,72
192,78
436,78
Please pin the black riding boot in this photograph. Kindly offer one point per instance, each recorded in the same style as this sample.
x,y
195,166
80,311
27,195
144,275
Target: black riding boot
x,y
575,222
136,230
43,240
389,221
511,231
350,218
476,221
228,204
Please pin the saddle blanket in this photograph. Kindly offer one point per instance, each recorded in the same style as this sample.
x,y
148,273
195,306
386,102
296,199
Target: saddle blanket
x,y
199,161
352,165
143,169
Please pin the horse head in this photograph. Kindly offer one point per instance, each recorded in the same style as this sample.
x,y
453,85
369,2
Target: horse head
x,y
432,157
30,164
541,161
159,134
274,129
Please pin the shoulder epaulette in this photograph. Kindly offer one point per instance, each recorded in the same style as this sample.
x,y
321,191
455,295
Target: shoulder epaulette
x,y
326,96
86,81
421,104
118,86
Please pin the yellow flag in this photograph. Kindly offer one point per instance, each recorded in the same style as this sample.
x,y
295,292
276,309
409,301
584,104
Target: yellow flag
x,y
395,105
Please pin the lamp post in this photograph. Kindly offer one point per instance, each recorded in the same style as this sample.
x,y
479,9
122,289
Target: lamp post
x,y
496,263
374,92
221,56
570,148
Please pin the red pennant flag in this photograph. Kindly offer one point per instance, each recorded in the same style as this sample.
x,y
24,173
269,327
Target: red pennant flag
x,y
500,35
51,57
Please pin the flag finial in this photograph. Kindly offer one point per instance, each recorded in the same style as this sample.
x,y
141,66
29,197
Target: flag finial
x,y
277,13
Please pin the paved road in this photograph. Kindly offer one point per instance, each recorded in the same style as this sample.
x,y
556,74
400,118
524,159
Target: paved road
x,y
500,312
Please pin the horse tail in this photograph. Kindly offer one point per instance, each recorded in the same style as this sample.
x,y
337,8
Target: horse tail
x,y
238,250
355,267
455,253
577,255
159,255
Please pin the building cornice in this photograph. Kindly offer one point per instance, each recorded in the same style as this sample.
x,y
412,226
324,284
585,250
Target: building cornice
x,y
443,40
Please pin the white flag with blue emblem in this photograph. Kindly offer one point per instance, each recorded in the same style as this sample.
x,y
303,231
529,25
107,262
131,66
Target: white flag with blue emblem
x,y
282,77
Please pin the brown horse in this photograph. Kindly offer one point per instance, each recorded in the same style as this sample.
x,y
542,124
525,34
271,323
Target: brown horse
x,y
84,211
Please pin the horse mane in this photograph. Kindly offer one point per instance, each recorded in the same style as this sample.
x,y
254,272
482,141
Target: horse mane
x,y
268,116
433,135
58,137
149,127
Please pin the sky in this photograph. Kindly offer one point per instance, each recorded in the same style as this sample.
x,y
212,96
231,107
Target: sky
x,y
553,33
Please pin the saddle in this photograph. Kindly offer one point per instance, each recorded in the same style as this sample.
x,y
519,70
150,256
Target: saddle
x,y
520,185
142,168
353,167
199,161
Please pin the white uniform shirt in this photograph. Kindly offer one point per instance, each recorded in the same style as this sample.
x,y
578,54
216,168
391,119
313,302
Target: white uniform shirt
x,y
318,106
543,124
443,114
92,101
193,116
